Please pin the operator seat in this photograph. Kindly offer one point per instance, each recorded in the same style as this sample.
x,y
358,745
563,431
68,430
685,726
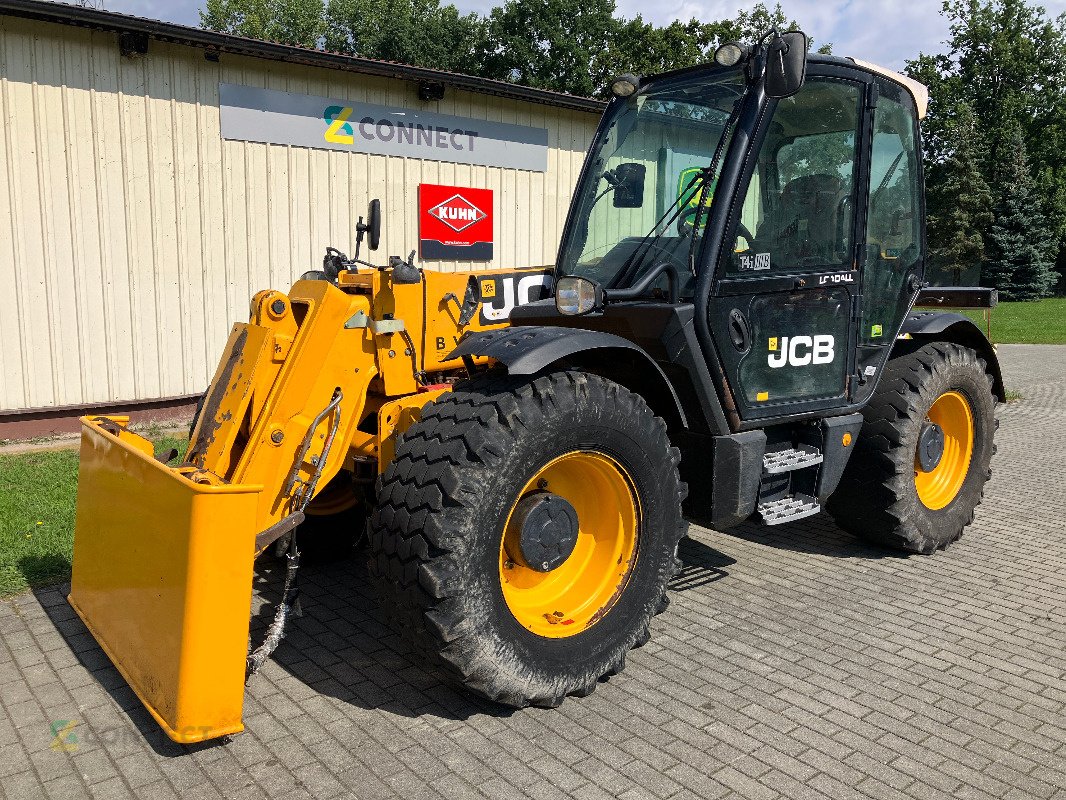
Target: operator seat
x,y
804,227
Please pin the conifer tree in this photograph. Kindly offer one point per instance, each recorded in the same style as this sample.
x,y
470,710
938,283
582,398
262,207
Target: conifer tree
x,y
1018,256
959,205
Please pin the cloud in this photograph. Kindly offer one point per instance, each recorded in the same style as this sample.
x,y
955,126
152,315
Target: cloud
x,y
184,12
886,32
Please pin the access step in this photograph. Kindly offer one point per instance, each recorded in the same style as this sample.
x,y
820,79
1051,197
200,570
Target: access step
x,y
789,509
793,458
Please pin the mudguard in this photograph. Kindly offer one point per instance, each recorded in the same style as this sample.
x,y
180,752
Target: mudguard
x,y
946,326
528,349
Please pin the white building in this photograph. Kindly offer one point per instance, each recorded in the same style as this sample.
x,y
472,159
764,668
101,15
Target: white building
x,y
137,217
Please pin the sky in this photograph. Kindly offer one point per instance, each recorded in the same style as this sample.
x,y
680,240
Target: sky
x,y
887,32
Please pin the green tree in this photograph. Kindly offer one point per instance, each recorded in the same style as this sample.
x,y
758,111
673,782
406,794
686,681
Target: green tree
x,y
419,32
562,45
645,49
959,204
551,44
299,22
570,46
1006,62
1018,262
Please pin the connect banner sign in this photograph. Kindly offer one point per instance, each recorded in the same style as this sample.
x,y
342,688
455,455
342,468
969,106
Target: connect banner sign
x,y
454,223
251,114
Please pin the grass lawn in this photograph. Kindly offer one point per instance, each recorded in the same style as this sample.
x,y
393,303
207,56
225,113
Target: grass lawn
x,y
37,494
1038,322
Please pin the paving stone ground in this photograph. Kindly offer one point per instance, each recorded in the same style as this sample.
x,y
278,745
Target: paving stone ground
x,y
793,662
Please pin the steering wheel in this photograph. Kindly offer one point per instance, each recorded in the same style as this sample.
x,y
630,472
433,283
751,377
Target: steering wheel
x,y
745,234
685,222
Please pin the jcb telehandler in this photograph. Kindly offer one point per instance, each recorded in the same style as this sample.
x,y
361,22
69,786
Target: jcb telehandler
x,y
731,306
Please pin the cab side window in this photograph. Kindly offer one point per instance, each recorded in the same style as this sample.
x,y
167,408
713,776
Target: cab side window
x,y
893,227
799,208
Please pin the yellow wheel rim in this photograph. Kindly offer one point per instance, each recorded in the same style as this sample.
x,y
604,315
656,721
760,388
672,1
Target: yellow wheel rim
x,y
938,487
579,592
335,498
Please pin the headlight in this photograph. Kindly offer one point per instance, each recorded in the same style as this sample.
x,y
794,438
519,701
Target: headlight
x,y
577,295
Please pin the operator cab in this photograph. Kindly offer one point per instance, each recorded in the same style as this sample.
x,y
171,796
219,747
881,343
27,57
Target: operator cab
x,y
774,202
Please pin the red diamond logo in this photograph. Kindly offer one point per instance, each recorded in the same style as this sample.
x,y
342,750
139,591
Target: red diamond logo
x,y
457,213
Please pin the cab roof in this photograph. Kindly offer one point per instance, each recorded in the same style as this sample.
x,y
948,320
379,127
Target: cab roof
x,y
919,91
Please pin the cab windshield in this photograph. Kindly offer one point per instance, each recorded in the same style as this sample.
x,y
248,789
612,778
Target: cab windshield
x,y
639,202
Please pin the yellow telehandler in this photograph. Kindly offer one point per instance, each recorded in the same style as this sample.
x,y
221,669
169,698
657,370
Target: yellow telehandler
x,y
729,318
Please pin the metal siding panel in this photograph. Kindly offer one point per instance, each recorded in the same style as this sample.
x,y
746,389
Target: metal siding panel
x,y
141,219
76,294
214,261
13,387
28,234
55,217
188,315
170,302
110,216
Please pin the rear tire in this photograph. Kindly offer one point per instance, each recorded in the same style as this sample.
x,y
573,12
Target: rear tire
x,y
880,498
438,550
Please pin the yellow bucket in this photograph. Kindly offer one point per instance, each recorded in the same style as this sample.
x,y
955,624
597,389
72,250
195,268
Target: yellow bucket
x,y
162,576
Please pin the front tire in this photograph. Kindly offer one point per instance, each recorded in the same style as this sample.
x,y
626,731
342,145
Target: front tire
x,y
896,493
445,553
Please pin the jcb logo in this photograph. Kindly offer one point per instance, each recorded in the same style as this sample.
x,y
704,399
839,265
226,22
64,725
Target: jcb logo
x,y
500,294
799,351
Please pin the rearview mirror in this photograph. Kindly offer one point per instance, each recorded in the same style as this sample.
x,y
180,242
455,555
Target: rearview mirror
x,y
629,191
786,64
373,224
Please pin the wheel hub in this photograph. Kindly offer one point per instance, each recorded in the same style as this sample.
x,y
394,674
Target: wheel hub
x,y
559,579
547,530
930,446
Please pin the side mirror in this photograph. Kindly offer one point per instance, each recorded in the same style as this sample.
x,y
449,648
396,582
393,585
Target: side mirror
x,y
371,227
629,191
373,224
786,64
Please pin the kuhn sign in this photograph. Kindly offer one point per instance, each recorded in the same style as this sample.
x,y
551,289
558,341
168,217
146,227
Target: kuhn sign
x,y
252,114
454,223
458,213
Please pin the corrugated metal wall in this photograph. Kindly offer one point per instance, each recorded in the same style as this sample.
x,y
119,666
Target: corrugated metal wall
x,y
132,235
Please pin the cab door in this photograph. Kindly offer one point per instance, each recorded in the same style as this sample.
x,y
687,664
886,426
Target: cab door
x,y
784,306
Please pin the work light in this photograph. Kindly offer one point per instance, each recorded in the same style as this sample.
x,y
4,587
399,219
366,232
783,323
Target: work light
x,y
625,85
730,54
